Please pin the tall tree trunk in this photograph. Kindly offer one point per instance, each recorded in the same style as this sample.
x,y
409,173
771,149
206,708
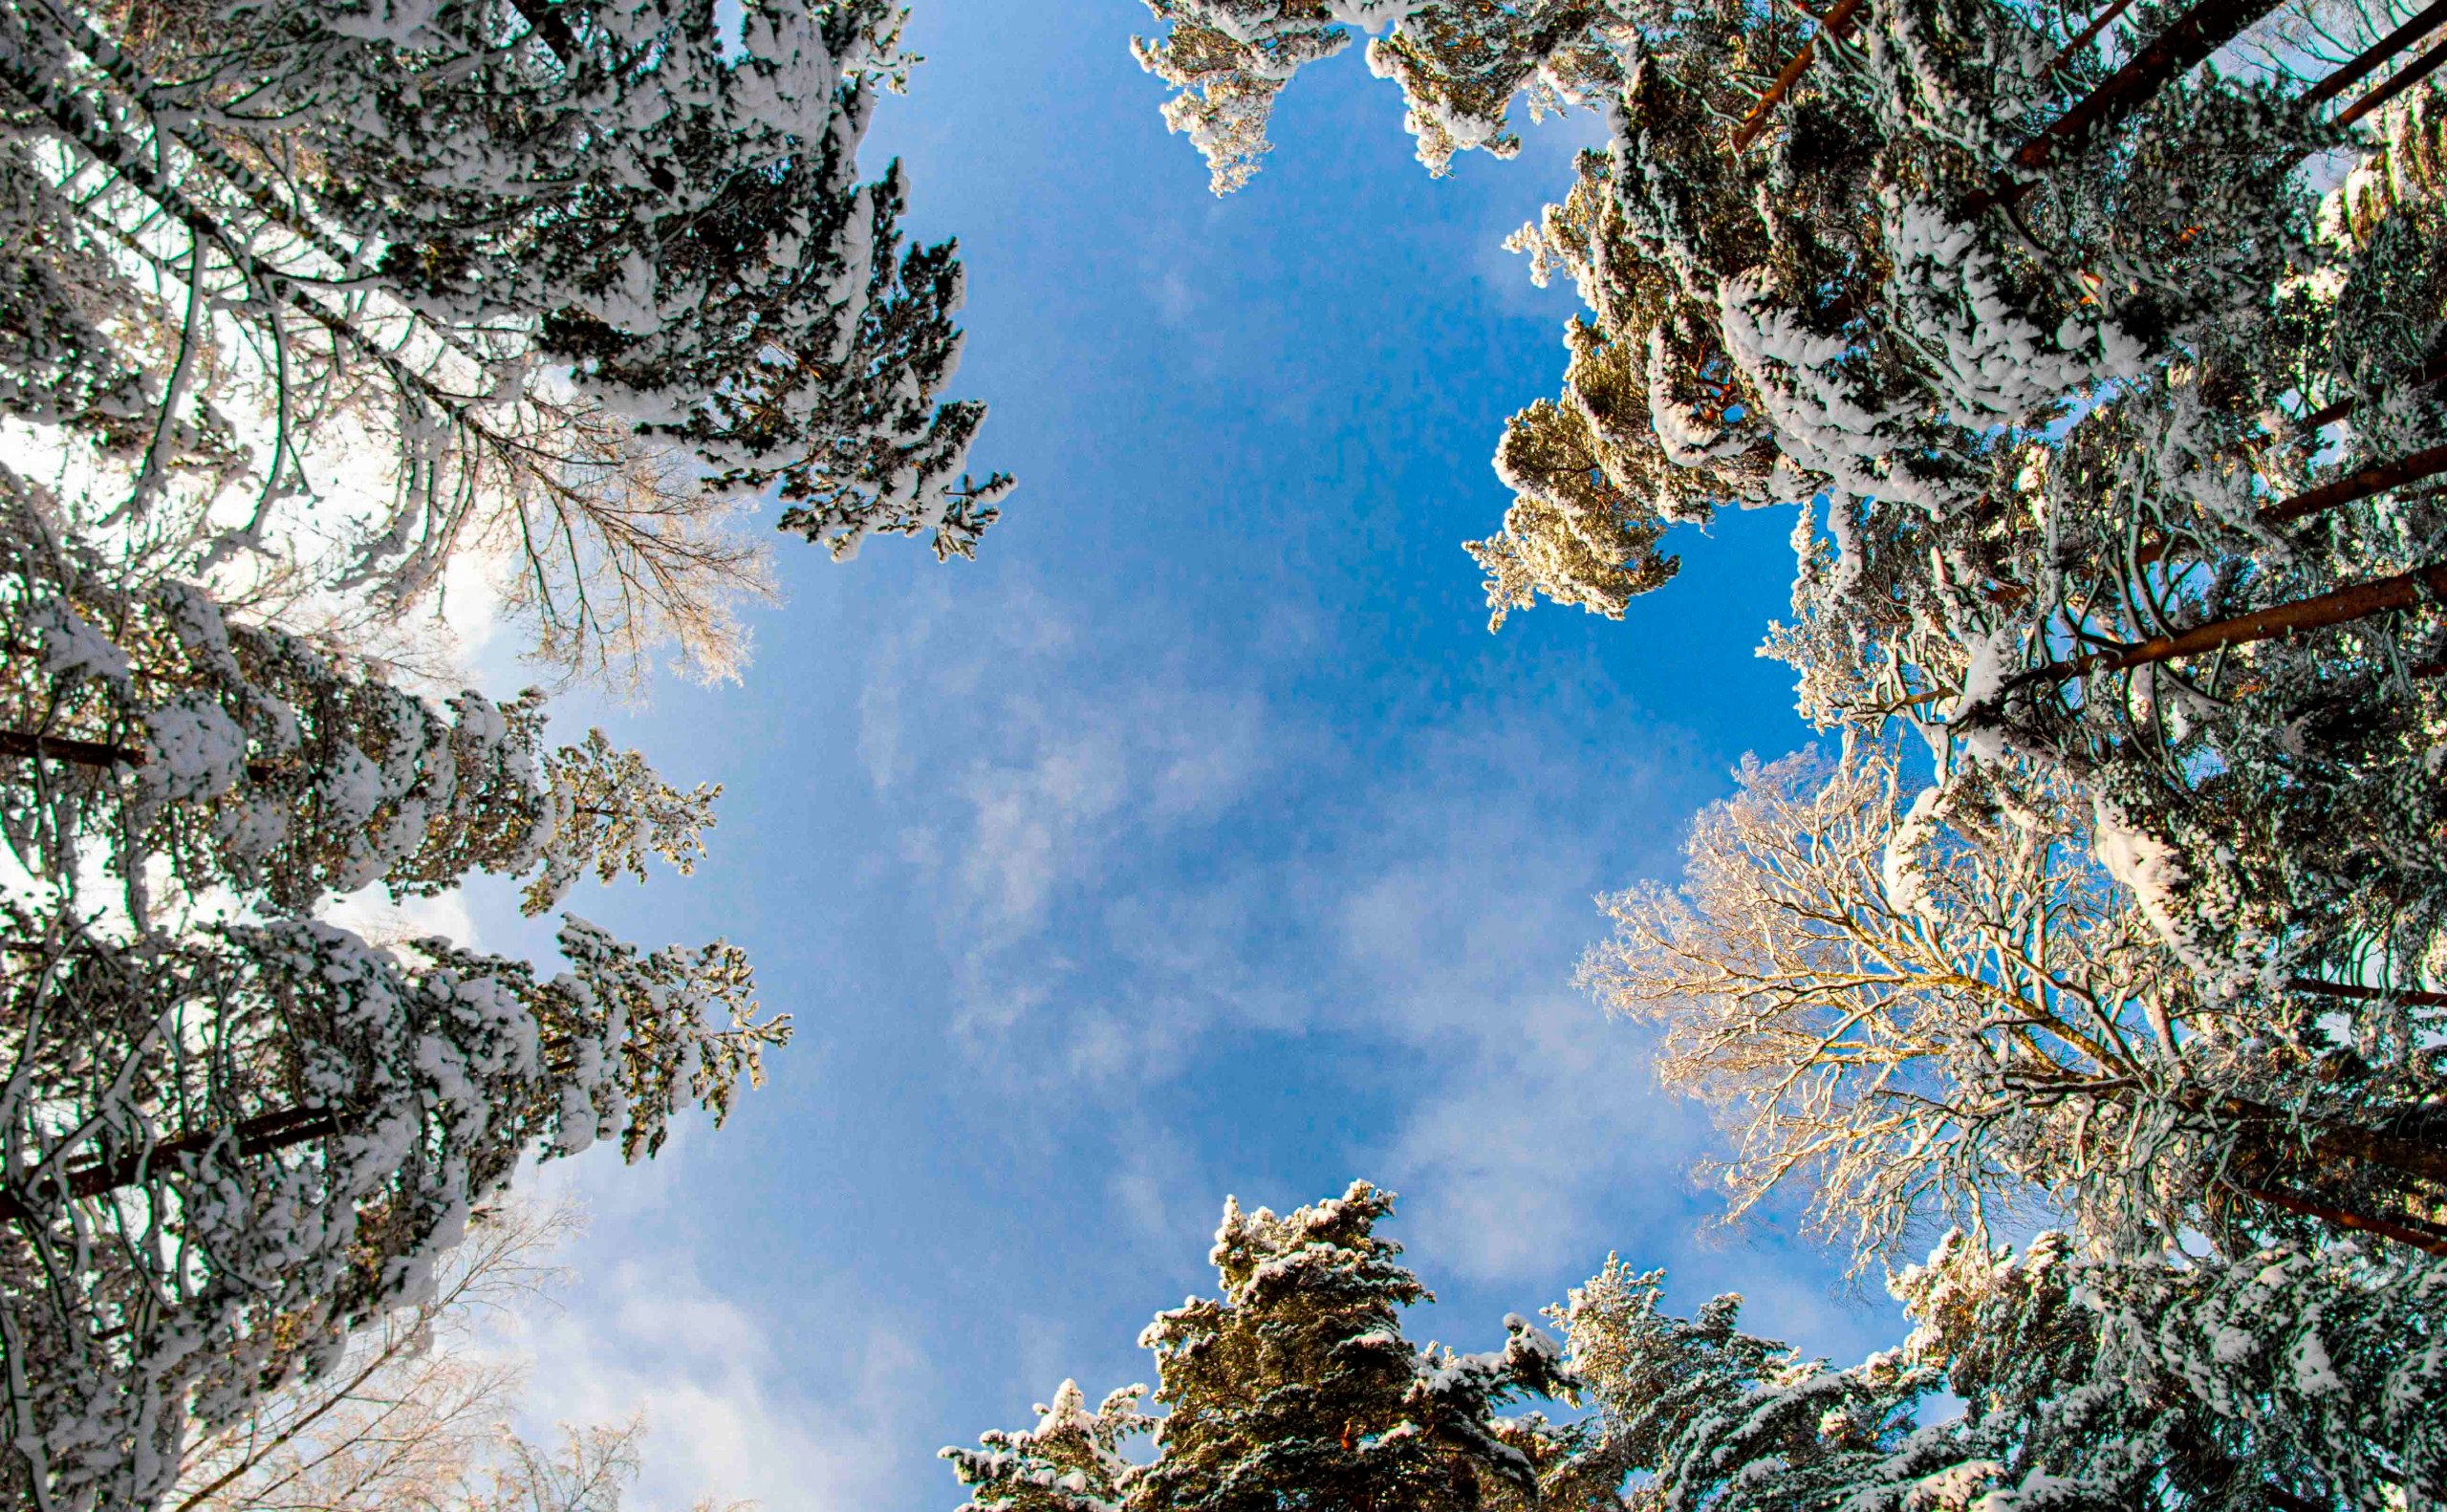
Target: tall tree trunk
x,y
2091,33
2378,52
1837,22
2403,1230
2360,993
2329,1141
2360,485
261,1135
23,747
2194,35
2402,79
2360,601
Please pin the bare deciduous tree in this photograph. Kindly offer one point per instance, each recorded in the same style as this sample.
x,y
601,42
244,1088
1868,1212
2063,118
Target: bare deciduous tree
x,y
1929,1007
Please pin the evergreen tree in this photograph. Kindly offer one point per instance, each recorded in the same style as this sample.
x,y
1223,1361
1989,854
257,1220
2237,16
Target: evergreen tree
x,y
228,1150
1293,1387
144,724
259,252
2287,1381
2126,439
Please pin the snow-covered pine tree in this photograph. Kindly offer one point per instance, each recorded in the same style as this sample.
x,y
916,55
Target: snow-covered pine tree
x,y
2128,443
2059,1408
510,259
1293,1387
142,724
2282,1382
227,1150
1460,64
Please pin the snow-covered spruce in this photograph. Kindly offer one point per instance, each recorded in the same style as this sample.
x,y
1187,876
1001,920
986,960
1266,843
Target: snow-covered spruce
x,y
224,1151
569,282
2127,427
144,722
1295,1384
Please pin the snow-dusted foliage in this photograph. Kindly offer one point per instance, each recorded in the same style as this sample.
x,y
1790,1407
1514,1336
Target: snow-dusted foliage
x,y
230,1133
1459,63
564,283
1293,1387
1931,1008
2060,1409
2123,413
2279,1382
154,726
224,1150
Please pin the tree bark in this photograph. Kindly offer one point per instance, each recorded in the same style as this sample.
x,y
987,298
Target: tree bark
x,y
2196,35
261,1135
20,745
2360,485
2431,371
2362,994
551,29
23,747
2398,83
2347,1218
2360,601
2378,52
2337,1141
1836,23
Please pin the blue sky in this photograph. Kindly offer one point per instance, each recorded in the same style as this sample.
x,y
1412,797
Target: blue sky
x,y
1195,839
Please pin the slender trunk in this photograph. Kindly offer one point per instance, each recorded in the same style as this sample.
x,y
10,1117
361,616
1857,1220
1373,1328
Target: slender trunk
x,y
2091,33
2402,79
2379,52
19,746
551,29
1837,22
2362,994
2360,485
2404,591
2340,1142
2429,373
2199,32
22,746
261,1135
2403,1230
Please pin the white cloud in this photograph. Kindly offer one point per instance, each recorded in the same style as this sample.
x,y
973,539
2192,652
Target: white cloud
x,y
739,1404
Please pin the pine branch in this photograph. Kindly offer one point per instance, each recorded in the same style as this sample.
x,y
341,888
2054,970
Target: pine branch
x,y
2198,32
2378,52
2398,1227
1837,22
2362,994
23,747
2398,83
2359,601
2360,485
261,1135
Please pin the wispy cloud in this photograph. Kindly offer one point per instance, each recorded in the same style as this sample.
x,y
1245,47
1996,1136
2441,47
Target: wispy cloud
x,y
801,1413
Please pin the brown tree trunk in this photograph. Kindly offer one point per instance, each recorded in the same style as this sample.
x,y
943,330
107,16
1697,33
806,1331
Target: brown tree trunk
x,y
2404,591
2091,33
2362,994
2335,1142
551,29
2361,486
2429,373
2378,52
2398,83
261,1135
2196,33
2403,1230
1836,23
23,747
